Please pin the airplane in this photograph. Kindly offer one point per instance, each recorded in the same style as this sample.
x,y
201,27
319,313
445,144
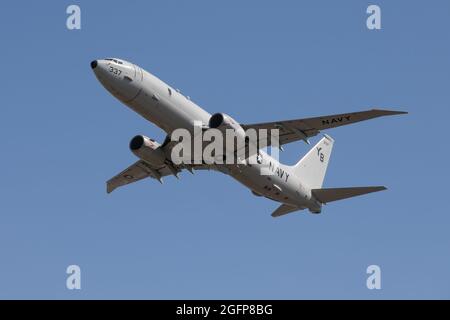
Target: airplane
x,y
296,187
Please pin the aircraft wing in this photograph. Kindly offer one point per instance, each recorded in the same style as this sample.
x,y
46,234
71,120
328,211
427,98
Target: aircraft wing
x,y
137,171
141,170
302,129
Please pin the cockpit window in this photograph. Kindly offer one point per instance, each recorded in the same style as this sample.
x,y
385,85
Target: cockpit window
x,y
114,60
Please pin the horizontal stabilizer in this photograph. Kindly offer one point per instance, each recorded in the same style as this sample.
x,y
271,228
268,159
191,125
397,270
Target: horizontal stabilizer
x,y
284,209
334,194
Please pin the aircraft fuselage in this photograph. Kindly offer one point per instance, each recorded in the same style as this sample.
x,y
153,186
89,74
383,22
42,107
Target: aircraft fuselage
x,y
167,108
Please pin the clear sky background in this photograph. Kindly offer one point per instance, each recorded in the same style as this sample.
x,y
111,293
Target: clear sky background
x,y
206,236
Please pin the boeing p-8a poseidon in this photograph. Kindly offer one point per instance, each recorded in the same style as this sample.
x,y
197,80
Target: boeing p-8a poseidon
x,y
296,187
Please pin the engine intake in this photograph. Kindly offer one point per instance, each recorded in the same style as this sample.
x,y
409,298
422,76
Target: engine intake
x,y
216,120
223,121
137,142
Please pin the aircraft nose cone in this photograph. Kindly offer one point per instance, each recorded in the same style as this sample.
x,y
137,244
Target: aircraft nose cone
x,y
94,64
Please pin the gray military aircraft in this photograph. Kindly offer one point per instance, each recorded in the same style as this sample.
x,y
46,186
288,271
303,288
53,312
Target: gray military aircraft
x,y
296,187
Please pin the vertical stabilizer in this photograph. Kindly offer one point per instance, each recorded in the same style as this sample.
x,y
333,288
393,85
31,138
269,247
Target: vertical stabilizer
x,y
311,169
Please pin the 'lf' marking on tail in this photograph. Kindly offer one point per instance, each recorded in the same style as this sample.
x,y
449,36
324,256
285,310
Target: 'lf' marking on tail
x,y
320,154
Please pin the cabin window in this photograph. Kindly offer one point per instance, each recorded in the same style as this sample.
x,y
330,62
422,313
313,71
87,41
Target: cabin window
x,y
170,91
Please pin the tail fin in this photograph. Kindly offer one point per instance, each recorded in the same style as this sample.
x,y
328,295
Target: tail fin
x,y
312,167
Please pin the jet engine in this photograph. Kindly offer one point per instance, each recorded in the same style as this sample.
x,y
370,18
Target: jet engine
x,y
148,150
222,122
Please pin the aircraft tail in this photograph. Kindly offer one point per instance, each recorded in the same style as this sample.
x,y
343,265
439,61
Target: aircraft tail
x,y
311,169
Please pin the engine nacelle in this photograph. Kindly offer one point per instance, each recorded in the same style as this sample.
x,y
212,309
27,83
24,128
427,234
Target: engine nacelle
x,y
222,122
243,145
148,150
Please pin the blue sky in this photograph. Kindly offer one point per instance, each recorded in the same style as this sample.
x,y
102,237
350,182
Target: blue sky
x,y
206,236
